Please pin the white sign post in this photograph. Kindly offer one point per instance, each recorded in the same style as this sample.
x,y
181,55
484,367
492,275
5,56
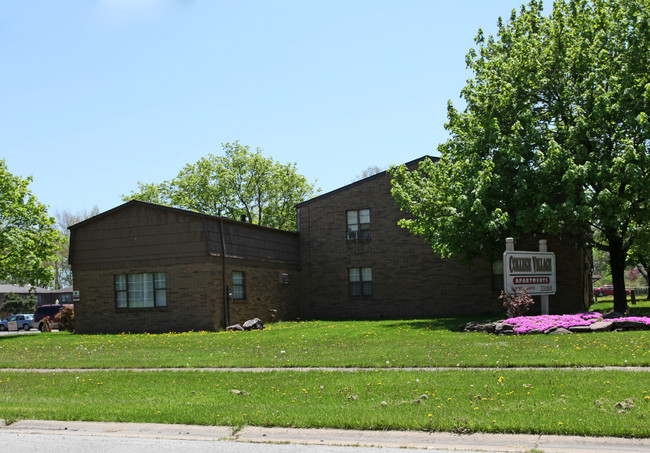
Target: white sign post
x,y
532,271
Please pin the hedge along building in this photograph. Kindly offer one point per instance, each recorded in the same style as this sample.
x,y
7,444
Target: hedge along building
x,y
142,267
147,268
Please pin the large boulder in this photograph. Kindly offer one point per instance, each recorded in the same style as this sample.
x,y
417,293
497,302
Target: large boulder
x,y
252,324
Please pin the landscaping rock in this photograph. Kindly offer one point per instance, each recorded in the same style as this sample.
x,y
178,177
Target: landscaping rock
x,y
254,323
503,328
630,325
560,331
474,327
235,327
580,329
601,326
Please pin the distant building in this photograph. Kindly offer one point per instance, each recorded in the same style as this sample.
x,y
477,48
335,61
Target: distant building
x,y
44,296
142,267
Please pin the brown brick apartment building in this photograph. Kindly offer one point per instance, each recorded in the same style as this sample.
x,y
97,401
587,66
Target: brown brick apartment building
x,y
147,268
357,263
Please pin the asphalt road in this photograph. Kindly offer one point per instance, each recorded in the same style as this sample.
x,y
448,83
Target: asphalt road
x,y
20,332
73,437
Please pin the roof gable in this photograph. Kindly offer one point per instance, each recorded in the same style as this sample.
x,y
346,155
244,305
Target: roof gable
x,y
412,164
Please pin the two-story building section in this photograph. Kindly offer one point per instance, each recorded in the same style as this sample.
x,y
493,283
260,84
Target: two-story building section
x,y
356,262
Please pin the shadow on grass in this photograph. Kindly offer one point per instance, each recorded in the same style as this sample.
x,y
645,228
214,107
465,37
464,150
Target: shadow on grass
x,y
606,305
451,323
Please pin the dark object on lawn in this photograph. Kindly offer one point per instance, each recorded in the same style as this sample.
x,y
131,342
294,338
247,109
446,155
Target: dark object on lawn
x,y
251,324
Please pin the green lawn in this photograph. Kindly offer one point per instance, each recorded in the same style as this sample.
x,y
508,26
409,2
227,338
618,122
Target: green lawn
x,y
376,344
566,401
557,401
606,304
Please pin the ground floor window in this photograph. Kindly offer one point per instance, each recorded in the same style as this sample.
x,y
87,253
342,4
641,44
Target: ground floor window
x,y
238,285
360,281
141,290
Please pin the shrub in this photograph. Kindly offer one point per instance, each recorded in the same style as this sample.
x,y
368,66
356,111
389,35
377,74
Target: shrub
x,y
45,324
13,303
65,319
517,304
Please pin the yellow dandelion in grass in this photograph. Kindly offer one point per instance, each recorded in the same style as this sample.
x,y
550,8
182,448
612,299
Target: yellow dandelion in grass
x,y
431,415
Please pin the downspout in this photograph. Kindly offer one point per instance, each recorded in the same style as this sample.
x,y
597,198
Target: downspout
x,y
226,299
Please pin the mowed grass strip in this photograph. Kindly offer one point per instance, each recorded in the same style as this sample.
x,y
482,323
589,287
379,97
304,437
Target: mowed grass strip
x,y
561,401
606,304
375,344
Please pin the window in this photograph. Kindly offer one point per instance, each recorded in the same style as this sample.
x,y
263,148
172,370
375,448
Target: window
x,y
140,290
497,275
238,285
359,224
360,279
66,298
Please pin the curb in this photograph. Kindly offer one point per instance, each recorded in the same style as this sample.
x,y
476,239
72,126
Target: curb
x,y
333,437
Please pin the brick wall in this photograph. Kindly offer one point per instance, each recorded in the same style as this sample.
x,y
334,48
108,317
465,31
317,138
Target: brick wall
x,y
195,297
265,292
192,300
409,280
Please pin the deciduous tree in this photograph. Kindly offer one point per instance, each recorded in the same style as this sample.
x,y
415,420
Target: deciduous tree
x,y
28,237
62,269
554,137
240,184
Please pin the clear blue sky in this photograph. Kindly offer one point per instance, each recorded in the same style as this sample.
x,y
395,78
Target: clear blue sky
x,y
96,95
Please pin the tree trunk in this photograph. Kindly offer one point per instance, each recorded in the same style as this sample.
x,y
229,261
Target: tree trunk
x,y
617,263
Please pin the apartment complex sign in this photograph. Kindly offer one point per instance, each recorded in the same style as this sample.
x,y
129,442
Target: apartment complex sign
x,y
532,271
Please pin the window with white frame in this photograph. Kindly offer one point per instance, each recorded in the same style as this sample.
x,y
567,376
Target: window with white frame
x,y
360,281
145,290
358,224
238,285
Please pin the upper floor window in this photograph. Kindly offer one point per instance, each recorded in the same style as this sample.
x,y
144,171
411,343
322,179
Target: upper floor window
x,y
140,290
238,285
359,224
497,275
360,281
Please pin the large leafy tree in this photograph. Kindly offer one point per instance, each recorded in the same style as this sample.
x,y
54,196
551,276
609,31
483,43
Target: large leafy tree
x,y
241,183
65,219
28,236
554,137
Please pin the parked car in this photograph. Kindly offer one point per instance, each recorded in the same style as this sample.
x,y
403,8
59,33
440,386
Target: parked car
x,y
17,322
607,290
46,311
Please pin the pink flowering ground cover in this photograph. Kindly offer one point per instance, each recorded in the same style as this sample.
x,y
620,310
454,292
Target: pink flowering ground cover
x,y
524,324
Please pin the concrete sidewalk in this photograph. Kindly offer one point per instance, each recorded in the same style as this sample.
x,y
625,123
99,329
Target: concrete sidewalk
x,y
384,439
